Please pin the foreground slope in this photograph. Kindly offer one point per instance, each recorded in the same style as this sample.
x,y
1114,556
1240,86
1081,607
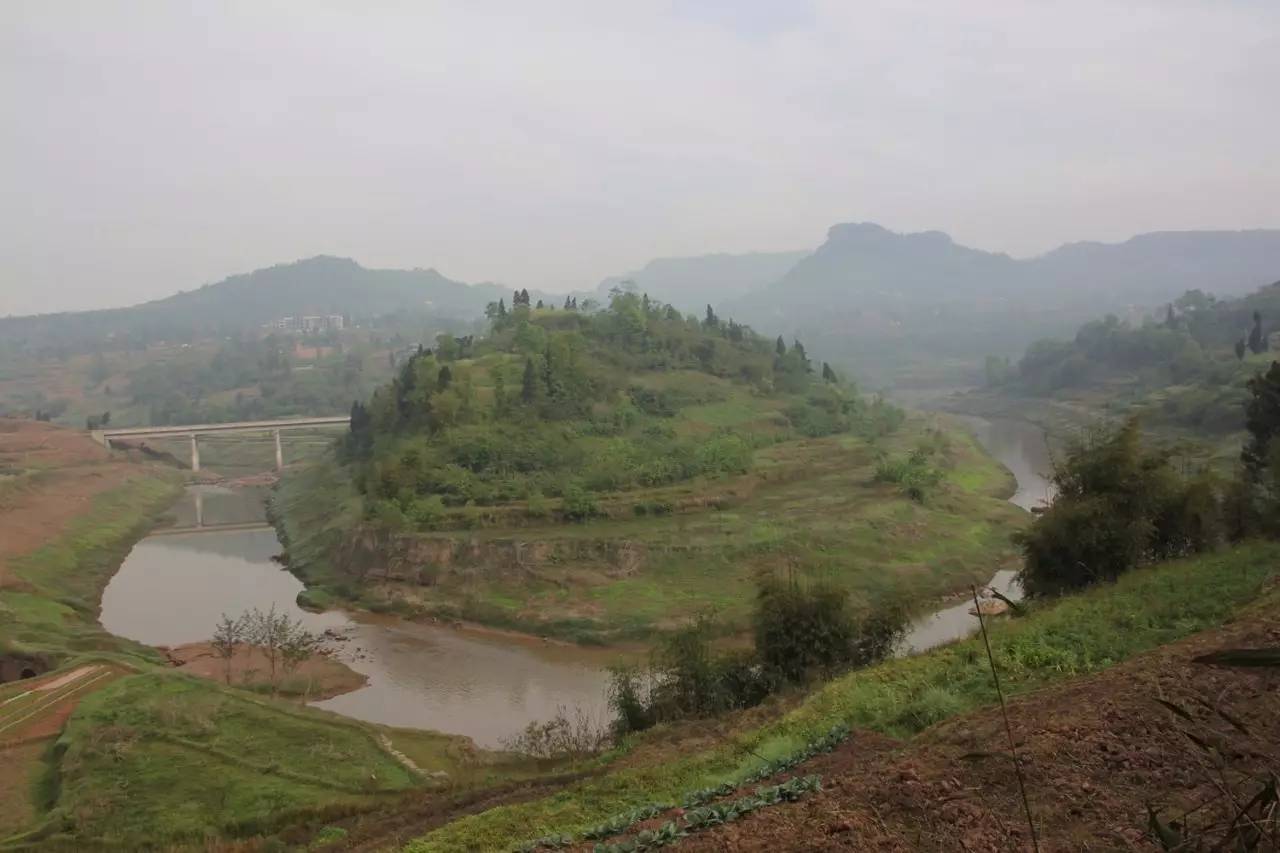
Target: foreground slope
x,y
1071,642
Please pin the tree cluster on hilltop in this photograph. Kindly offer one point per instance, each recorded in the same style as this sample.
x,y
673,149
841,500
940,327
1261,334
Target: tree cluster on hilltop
x,y
567,404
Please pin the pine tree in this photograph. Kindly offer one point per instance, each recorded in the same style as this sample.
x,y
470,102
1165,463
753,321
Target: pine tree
x,y
502,308
798,349
529,384
828,374
712,320
567,306
780,346
540,306
443,378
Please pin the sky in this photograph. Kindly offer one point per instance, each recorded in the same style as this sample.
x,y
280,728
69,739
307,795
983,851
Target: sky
x,y
151,147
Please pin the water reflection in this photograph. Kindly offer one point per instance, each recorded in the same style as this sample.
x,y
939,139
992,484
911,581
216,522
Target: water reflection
x,y
174,587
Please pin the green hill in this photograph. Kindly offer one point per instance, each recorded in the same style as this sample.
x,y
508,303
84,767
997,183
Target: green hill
x,y
609,474
1185,371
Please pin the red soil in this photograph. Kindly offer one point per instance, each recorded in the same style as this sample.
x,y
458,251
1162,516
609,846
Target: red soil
x,y
1096,752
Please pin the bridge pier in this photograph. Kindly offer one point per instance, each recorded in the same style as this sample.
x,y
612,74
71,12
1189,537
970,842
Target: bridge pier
x,y
279,453
195,454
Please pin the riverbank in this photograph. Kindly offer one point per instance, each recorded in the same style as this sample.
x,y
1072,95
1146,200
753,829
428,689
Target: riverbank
x,y
107,744
811,506
1075,636
69,512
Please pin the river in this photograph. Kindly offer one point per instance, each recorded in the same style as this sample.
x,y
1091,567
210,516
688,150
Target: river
x,y
175,585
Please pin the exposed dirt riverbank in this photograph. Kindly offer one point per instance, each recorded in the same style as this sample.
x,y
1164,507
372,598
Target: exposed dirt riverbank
x,y
319,677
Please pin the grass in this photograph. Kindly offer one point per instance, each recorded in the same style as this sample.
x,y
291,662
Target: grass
x,y
809,505
1074,636
56,610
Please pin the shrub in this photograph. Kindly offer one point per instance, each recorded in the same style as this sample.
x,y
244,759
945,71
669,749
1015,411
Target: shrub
x,y
1118,505
578,504
630,698
560,737
427,512
914,472
804,629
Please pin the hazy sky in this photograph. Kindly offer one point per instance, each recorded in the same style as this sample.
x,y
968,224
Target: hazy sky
x,y
149,147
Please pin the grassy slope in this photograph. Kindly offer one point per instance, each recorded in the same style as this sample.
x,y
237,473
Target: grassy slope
x,y
56,614
809,505
160,755
1077,635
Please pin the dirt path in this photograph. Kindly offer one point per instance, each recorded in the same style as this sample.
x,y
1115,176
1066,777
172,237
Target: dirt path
x,y
48,476
41,707
1096,752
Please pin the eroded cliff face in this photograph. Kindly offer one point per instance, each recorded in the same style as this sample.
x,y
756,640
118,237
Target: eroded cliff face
x,y
427,560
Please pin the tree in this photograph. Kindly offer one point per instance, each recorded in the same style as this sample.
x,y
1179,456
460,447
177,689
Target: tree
x,y
1170,319
828,374
711,321
228,634
1262,420
1257,340
270,632
780,346
567,305
529,384
798,349
540,305
1118,505
297,646
443,378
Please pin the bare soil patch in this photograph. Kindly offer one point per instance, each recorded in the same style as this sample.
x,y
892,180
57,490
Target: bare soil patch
x,y
1096,752
319,677
57,473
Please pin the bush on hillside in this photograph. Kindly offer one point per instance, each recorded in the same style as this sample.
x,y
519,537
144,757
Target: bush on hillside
x,y
802,630
1118,505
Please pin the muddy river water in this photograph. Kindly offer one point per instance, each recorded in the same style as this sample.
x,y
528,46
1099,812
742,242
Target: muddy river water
x,y
216,558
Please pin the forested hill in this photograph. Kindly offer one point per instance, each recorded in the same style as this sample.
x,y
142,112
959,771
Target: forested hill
x,y
569,405
320,285
874,298
1188,366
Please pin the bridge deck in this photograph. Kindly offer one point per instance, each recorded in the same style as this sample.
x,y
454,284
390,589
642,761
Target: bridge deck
x,y
236,426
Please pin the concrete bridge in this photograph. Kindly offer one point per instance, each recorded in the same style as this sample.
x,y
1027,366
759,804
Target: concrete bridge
x,y
106,436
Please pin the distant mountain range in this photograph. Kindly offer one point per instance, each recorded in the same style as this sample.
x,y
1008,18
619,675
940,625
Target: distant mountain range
x,y
690,283
873,298
867,298
320,285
